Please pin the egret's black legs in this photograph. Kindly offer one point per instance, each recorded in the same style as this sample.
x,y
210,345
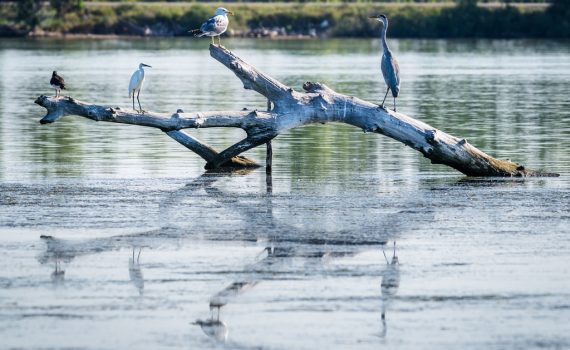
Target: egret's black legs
x,y
139,101
394,104
384,100
133,92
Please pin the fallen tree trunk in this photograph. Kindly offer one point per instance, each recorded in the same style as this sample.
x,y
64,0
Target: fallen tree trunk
x,y
289,109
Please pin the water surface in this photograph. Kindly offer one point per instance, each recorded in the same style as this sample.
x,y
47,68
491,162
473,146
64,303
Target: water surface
x,y
142,249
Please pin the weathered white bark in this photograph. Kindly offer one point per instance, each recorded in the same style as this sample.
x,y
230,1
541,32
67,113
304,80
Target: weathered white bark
x,y
291,109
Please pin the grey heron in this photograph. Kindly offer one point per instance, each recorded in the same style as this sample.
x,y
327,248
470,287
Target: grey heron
x,y
215,25
136,83
57,83
388,65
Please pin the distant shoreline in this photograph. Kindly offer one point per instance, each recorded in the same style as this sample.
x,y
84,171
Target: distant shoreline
x,y
102,20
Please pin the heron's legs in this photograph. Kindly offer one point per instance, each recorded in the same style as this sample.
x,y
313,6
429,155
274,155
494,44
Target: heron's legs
x,y
213,42
140,250
133,92
394,111
385,257
219,40
139,101
384,100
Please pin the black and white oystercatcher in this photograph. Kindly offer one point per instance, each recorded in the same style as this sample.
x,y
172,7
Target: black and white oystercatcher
x,y
57,83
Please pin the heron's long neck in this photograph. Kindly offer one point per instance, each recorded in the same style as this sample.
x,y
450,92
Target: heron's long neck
x,y
383,34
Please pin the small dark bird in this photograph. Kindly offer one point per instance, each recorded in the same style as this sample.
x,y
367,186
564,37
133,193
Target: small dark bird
x,y
57,83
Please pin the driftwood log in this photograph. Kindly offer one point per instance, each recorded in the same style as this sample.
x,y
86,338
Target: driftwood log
x,y
289,109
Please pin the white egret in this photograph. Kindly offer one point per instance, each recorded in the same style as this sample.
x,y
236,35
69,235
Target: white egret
x,y
215,25
136,83
57,83
388,65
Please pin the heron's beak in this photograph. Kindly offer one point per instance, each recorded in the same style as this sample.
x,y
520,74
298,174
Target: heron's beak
x,y
146,65
373,17
230,13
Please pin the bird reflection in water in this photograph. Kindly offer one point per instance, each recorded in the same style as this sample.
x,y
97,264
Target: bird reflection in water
x,y
213,327
58,275
389,285
57,256
135,272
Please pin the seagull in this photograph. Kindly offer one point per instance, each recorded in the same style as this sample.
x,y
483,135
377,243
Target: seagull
x,y
389,65
136,84
215,25
57,83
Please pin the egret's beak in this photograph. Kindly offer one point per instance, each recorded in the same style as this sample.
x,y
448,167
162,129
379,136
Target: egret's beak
x,y
146,65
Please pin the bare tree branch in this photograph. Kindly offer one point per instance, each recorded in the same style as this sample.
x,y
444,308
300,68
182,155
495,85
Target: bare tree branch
x,y
291,109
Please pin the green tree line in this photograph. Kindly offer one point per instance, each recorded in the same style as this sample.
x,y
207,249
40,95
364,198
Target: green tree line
x,y
464,20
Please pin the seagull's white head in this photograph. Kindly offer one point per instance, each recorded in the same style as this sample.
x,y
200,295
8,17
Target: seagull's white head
x,y
380,18
141,65
221,11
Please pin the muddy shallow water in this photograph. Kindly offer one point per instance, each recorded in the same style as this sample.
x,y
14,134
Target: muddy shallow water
x,y
114,237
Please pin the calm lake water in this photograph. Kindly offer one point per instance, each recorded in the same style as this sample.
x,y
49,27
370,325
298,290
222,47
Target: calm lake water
x,y
142,249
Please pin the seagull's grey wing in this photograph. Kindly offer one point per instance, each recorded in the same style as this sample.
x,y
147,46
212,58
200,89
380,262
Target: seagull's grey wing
x,y
209,25
215,25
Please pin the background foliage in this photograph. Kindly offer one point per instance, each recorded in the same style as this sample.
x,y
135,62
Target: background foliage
x,y
462,19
